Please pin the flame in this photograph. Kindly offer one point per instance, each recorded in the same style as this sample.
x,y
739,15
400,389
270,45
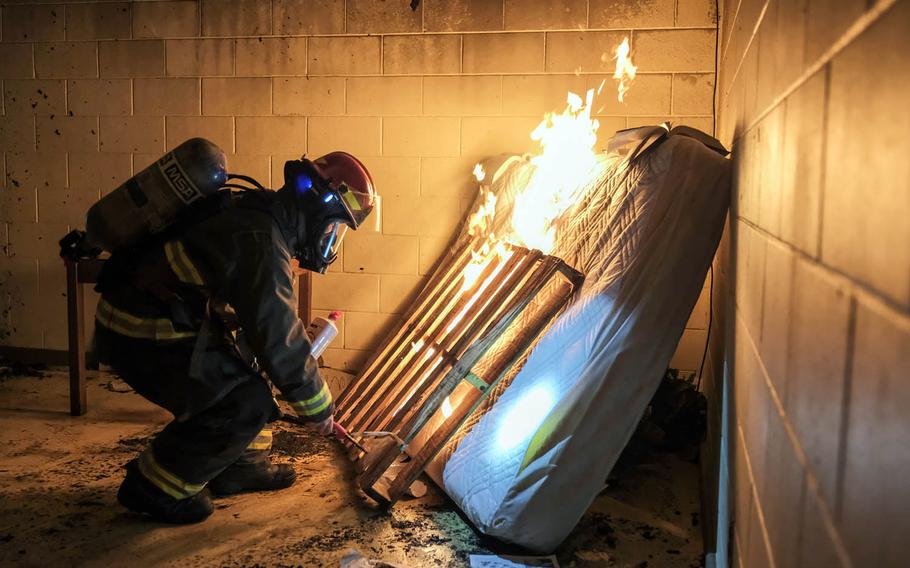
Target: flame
x,y
625,71
479,173
561,170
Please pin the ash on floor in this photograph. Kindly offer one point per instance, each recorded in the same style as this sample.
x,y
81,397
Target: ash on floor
x,y
59,477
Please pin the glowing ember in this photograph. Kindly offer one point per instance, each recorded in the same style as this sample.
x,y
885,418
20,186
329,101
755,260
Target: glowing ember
x,y
625,71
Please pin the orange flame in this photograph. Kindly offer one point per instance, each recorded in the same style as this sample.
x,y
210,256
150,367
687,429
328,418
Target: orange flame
x,y
625,71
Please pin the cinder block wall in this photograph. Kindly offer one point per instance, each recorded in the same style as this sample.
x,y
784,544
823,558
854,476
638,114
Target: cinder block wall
x,y
814,281
95,91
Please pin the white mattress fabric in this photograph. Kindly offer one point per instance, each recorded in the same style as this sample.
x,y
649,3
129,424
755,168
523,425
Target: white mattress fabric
x,y
644,237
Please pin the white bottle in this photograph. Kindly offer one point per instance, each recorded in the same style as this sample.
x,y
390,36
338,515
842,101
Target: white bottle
x,y
321,332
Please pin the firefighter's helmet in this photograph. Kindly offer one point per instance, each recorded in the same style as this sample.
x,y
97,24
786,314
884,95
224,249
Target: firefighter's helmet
x,y
334,192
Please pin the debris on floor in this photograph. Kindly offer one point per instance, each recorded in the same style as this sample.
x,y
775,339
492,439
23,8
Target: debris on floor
x,y
59,476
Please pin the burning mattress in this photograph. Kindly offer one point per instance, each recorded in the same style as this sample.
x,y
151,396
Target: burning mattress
x,y
644,236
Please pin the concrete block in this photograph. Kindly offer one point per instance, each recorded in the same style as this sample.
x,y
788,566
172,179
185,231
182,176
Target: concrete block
x,y
557,15
349,360
99,96
236,18
425,216
398,291
158,97
631,13
66,60
137,58
677,51
355,55
421,54
877,459
692,93
217,129
608,127
36,240
369,16
790,42
817,548
765,44
458,96
696,13
200,57
278,162
17,132
236,96
589,52
394,176
750,276
757,553
33,23
271,56
420,136
537,94
18,204
703,123
745,176
366,330
35,169
347,292
96,170
308,96
64,206
801,166
358,135
463,16
380,254
133,134
867,149
30,96
781,494
304,17
257,166
503,53
770,137
484,137
17,61
448,177
826,21
689,351
816,369
383,96
142,161
177,18
108,20
256,135
431,250
773,343
649,96
66,133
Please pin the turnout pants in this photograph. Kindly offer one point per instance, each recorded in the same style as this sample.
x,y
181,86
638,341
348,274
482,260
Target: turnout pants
x,y
216,423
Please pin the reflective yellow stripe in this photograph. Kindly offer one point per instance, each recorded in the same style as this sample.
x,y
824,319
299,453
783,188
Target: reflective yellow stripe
x,y
315,404
165,480
263,441
181,264
129,325
351,199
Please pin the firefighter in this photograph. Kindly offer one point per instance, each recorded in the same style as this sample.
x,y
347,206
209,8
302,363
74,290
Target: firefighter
x,y
168,321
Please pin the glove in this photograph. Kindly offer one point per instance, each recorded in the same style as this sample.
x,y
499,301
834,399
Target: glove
x,y
325,427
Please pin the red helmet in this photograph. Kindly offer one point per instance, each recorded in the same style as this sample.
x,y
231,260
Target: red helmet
x,y
348,177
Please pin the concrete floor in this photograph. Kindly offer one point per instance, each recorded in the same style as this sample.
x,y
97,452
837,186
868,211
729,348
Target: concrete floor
x,y
59,476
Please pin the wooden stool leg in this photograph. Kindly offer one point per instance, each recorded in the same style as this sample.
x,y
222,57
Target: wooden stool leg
x,y
75,314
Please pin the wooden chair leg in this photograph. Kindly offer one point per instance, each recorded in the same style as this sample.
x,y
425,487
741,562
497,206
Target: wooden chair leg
x,y
75,314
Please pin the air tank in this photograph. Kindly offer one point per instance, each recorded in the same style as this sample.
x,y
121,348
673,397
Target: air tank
x,y
150,201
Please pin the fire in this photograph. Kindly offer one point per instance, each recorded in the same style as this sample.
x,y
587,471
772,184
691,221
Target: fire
x,y
625,71
479,173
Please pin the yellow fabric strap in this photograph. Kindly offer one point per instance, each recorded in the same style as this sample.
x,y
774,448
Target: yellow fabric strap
x,y
129,325
262,441
181,264
165,480
315,404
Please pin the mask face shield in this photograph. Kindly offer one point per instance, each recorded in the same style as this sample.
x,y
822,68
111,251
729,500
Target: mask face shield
x,y
330,240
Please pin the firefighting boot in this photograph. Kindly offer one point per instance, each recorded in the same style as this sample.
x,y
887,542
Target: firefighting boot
x,y
253,475
141,496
